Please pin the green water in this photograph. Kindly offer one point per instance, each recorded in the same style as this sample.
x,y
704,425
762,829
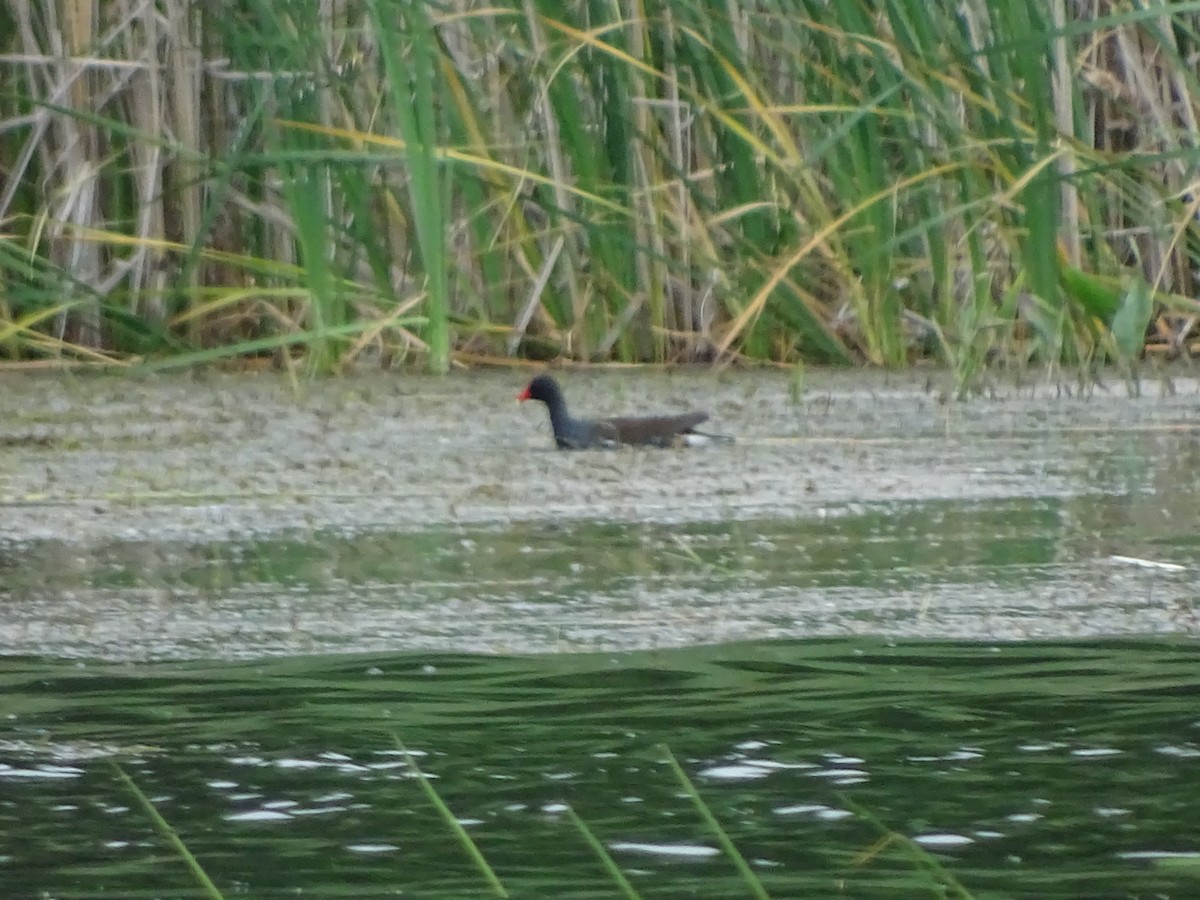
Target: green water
x,y
1035,770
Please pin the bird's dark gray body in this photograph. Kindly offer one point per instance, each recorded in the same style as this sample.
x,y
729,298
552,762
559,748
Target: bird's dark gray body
x,y
584,434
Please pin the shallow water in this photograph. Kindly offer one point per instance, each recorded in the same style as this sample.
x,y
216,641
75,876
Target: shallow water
x,y
981,570
244,595
96,459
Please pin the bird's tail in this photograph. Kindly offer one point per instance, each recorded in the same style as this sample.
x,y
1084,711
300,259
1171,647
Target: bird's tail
x,y
703,438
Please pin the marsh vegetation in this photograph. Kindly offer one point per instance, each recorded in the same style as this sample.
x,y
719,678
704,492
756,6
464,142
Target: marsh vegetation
x,y
385,180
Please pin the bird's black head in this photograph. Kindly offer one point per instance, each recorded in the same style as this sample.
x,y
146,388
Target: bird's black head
x,y
542,388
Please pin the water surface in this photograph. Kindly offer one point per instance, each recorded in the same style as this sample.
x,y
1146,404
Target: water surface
x,y
970,627
1027,769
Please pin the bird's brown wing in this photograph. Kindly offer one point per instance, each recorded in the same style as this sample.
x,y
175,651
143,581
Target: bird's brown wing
x,y
657,431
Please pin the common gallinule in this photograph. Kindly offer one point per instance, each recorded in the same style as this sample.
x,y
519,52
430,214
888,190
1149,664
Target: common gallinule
x,y
581,434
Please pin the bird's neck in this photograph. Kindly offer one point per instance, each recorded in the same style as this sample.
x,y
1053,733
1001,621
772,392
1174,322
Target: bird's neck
x,y
559,418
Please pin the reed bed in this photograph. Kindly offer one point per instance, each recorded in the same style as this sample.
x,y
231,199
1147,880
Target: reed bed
x,y
638,181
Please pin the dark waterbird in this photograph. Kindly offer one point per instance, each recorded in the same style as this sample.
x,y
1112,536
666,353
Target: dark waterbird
x,y
582,434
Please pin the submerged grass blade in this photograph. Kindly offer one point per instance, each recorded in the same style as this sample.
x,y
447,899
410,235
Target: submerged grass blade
x,y
451,820
949,885
610,864
165,829
748,875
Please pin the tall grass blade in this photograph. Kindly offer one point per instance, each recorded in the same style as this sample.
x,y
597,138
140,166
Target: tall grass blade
x,y
452,822
165,829
610,864
731,850
408,40
1131,320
